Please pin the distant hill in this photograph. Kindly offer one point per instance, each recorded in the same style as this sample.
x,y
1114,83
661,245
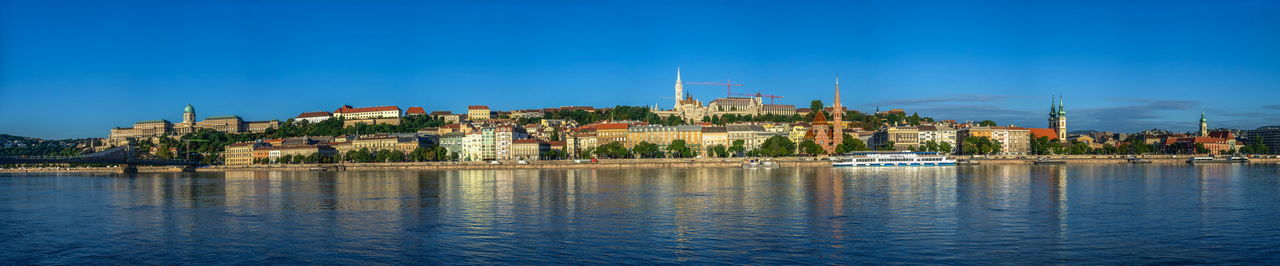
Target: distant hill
x,y
11,145
1082,132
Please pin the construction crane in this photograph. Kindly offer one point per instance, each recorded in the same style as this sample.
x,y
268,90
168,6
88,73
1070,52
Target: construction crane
x,y
728,86
771,97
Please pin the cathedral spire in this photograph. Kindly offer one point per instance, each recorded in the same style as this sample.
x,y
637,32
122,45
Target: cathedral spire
x,y
1062,110
679,90
837,120
1053,109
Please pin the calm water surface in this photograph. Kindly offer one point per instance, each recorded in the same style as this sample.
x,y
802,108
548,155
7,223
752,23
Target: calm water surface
x,y
964,215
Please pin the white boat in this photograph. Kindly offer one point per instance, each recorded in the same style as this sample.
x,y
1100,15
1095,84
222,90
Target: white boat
x,y
893,159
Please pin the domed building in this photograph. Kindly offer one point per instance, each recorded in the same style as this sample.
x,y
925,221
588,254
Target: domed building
x,y
157,128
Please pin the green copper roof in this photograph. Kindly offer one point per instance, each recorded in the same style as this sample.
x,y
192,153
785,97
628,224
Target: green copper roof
x,y
189,109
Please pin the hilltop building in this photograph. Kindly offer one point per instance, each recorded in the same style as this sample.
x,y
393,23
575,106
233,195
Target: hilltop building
x,y
693,110
478,112
157,128
313,117
368,115
349,113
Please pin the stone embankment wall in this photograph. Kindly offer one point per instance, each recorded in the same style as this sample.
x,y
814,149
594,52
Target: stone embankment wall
x,y
560,164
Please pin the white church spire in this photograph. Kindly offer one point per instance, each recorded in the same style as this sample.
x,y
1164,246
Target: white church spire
x,y
679,90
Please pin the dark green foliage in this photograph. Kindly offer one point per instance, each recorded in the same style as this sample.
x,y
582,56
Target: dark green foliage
x,y
612,150
811,148
777,146
717,151
679,149
647,150
980,145
554,154
850,144
737,148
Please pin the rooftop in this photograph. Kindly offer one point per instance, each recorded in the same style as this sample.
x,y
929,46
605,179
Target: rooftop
x,y
315,114
349,109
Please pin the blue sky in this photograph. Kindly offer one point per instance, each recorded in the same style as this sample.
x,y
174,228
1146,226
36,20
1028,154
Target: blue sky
x,y
77,68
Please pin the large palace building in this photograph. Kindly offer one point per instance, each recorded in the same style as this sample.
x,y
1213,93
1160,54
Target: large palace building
x,y
692,110
156,128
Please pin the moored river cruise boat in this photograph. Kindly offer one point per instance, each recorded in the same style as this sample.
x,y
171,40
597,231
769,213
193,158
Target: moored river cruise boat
x,y
893,159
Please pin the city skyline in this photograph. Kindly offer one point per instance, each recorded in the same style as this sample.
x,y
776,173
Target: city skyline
x,y
73,72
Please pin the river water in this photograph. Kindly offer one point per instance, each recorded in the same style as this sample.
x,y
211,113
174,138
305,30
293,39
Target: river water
x,y
1077,214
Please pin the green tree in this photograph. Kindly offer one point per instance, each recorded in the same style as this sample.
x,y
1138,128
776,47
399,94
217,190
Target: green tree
x,y
777,146
363,155
421,154
987,123
1201,149
815,107
980,145
945,147
1042,146
646,150
718,151
612,150
811,148
850,144
737,148
284,159
930,146
679,149
1078,147
554,154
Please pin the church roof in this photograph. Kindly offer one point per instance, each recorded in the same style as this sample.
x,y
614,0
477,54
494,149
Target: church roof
x,y
819,118
1036,133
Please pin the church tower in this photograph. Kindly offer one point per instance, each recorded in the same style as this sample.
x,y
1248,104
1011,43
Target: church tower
x,y
1053,114
1062,120
189,115
837,118
679,90
1058,118
1204,125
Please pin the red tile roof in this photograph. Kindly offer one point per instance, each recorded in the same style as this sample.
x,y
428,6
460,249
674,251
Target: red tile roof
x,y
349,109
475,107
1036,133
415,110
1208,140
525,141
612,126
314,114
